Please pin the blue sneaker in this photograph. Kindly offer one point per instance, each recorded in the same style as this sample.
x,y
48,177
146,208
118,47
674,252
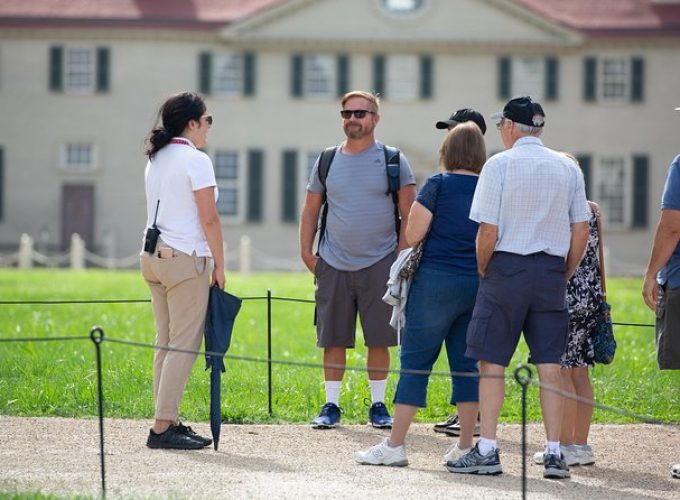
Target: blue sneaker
x,y
379,417
328,418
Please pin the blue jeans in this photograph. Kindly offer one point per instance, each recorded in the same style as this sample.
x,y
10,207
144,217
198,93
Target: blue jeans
x,y
438,311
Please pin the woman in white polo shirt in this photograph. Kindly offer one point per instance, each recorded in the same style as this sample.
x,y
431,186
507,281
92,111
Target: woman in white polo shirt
x,y
181,196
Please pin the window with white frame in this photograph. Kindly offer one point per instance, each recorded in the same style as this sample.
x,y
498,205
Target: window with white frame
x,y
403,77
319,75
612,188
80,65
228,74
528,77
227,177
615,79
78,157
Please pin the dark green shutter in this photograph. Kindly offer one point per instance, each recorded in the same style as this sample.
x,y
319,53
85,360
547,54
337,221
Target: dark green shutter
x,y
343,75
2,184
589,79
504,70
103,67
205,72
56,68
379,75
552,77
640,190
637,84
585,162
255,186
249,85
296,69
289,183
426,77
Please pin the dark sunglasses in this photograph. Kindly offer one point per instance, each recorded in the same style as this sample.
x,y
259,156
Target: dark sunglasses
x,y
209,119
359,113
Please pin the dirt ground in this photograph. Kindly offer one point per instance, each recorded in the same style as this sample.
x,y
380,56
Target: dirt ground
x,y
61,456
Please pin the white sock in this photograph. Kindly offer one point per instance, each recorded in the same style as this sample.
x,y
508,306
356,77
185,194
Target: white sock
x,y
553,447
333,391
486,446
377,390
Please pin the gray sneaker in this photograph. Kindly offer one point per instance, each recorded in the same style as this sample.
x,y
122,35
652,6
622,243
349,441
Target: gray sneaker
x,y
555,466
474,462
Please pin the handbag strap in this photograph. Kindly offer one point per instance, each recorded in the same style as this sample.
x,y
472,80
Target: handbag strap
x,y
600,253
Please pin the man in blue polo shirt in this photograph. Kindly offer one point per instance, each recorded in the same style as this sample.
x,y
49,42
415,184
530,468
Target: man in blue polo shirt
x,y
531,204
661,288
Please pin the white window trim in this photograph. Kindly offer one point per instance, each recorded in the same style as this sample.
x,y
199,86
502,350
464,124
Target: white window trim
x,y
239,184
241,75
78,169
390,81
597,177
68,88
536,93
600,79
333,79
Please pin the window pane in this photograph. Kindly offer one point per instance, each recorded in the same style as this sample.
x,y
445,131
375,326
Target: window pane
x,y
403,76
319,75
614,79
226,165
227,204
527,76
611,190
79,66
228,74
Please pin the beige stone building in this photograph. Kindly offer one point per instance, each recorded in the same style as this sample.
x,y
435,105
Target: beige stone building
x,y
80,81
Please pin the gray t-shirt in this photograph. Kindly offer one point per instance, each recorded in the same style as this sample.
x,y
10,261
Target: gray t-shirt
x,y
360,224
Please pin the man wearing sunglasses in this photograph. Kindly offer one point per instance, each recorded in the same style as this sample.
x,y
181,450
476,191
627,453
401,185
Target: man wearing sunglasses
x,y
356,249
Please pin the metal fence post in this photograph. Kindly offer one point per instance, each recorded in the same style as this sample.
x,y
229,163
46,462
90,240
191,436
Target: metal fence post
x,y
269,348
524,379
97,337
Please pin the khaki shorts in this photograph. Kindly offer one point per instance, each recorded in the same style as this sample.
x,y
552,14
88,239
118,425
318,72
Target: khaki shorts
x,y
668,328
341,294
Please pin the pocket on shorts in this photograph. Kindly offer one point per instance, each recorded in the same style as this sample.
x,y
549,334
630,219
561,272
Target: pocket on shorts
x,y
478,327
317,267
504,267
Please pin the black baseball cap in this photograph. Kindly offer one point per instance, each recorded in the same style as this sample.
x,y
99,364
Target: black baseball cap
x,y
462,116
522,110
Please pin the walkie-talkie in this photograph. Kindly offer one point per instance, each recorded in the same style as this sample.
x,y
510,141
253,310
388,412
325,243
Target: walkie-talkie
x,y
152,233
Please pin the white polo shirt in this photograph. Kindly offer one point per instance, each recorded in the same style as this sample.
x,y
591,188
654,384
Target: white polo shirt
x,y
173,175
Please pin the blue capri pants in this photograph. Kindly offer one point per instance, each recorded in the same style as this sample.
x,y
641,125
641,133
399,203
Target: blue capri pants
x,y
438,311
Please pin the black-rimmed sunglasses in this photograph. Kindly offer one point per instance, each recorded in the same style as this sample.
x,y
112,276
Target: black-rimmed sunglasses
x,y
209,119
359,113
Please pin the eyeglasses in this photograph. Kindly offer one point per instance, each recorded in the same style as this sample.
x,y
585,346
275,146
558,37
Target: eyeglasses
x,y
359,113
209,119
499,125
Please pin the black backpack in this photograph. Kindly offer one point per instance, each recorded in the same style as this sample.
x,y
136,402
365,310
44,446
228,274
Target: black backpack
x,y
392,170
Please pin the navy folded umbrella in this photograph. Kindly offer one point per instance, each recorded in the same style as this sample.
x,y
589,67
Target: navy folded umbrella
x,y
219,323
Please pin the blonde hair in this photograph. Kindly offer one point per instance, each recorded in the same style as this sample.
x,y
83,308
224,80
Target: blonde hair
x,y
570,156
463,148
369,96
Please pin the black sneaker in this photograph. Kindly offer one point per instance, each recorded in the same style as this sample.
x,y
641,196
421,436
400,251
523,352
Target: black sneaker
x,y
474,462
172,439
555,466
451,427
188,431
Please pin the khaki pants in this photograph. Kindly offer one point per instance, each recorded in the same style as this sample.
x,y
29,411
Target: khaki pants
x,y
179,293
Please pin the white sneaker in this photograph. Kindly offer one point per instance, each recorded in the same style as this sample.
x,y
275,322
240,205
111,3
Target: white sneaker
x,y
583,453
569,456
675,471
383,454
454,453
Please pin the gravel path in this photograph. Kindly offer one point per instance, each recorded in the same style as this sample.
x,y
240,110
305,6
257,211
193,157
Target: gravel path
x,y
61,456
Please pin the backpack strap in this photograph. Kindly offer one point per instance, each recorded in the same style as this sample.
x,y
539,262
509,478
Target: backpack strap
x,y
393,171
325,160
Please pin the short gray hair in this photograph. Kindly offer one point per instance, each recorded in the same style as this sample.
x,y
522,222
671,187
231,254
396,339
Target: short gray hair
x,y
526,129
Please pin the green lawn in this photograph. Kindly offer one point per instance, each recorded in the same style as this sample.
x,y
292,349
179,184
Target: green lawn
x,y
59,378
